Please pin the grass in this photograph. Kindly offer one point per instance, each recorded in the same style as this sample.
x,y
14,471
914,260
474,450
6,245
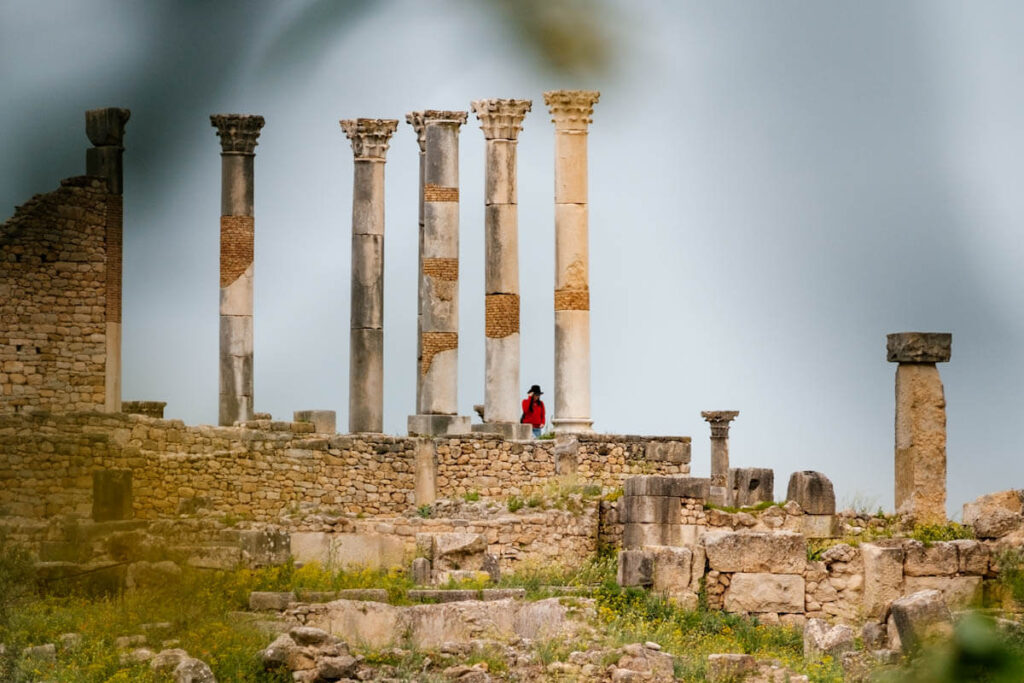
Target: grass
x,y
763,505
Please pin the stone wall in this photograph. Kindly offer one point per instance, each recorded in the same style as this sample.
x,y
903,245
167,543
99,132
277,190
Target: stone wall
x,y
267,469
53,298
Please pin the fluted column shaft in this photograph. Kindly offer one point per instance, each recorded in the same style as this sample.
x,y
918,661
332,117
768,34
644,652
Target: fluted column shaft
x,y
238,138
370,141
501,121
105,130
571,111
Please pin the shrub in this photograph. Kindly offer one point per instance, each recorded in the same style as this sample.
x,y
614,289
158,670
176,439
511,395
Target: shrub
x,y
425,511
933,533
472,496
515,503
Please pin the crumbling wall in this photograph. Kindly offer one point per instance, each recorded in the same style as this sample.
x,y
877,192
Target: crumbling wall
x,y
53,298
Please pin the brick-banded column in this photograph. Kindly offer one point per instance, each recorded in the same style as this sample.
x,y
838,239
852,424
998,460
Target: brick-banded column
x,y
437,367
719,421
238,134
501,121
370,141
105,130
920,423
571,111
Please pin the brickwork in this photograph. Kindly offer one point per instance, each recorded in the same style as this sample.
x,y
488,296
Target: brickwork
x,y
572,300
53,299
236,247
502,315
433,343
438,193
446,269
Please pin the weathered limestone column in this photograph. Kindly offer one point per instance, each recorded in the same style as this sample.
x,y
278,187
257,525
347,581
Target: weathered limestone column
x,y
920,423
571,111
438,320
501,120
719,421
369,139
105,130
238,134
415,119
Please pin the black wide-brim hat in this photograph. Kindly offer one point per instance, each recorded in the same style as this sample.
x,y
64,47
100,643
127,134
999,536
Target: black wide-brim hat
x,y
535,389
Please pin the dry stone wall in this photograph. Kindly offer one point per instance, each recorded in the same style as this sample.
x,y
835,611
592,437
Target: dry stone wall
x,y
53,298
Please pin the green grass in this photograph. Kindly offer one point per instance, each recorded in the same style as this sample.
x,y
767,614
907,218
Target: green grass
x,y
763,505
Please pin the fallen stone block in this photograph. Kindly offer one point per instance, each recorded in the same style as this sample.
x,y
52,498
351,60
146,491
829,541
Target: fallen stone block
x,y
957,591
729,668
458,550
762,592
421,571
782,552
920,616
166,661
823,640
938,559
270,601
813,491
672,569
751,485
193,671
972,557
883,576
636,568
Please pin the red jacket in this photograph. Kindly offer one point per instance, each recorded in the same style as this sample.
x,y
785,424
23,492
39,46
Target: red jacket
x,y
534,416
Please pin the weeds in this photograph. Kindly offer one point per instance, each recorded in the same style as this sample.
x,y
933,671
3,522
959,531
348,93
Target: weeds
x,y
515,503
425,511
472,496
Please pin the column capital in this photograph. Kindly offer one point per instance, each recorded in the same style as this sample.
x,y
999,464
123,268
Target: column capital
x,y
415,119
918,347
501,119
719,421
238,132
105,127
571,109
370,137
419,120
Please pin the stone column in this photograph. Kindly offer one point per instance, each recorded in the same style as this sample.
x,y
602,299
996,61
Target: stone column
x,y
415,119
438,320
105,130
238,134
920,423
501,120
369,139
571,111
719,421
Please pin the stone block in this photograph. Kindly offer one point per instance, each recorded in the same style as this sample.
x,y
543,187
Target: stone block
x,y
763,592
264,547
823,640
510,431
957,591
819,526
459,550
111,495
667,451
919,616
918,347
996,514
651,509
324,421
883,576
673,569
421,571
151,574
751,485
813,492
938,559
270,601
147,408
727,668
679,486
438,425
343,550
636,568
972,557
784,552
636,535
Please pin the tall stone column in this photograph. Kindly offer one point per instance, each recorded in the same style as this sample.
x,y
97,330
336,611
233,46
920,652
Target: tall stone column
x,y
920,423
415,119
501,121
370,141
571,111
438,345
238,134
719,421
105,130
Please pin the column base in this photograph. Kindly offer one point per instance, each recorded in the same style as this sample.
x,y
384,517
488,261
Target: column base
x,y
438,425
512,431
719,495
572,425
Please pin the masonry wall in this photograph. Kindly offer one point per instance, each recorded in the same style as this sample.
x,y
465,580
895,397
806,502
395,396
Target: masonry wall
x,y
47,462
53,298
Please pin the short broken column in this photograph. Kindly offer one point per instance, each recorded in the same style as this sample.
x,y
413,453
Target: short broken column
x,y
370,142
238,134
501,120
920,423
719,421
105,130
438,321
571,111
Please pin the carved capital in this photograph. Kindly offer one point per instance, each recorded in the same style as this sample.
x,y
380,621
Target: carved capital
x,y
105,127
370,137
719,421
501,119
419,120
238,132
415,119
571,109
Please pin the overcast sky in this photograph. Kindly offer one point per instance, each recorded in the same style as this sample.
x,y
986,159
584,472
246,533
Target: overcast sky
x,y
773,188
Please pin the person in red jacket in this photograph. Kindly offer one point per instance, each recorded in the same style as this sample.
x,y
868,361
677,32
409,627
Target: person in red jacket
x,y
533,410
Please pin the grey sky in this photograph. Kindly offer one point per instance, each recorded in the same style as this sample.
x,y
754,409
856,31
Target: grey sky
x,y
774,187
